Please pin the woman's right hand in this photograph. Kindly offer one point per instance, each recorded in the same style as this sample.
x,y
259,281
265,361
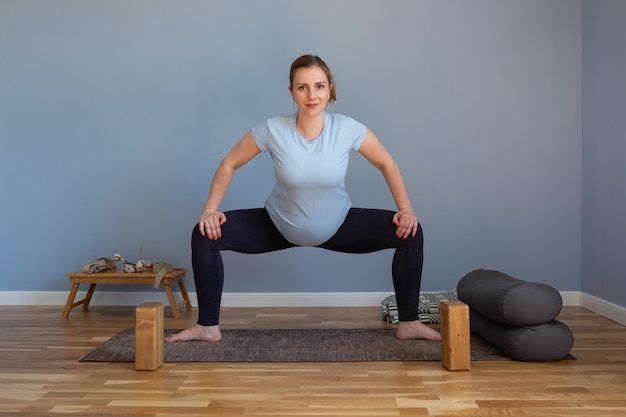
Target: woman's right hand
x,y
210,223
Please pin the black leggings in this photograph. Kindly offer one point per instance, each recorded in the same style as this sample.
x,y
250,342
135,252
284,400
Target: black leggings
x,y
252,231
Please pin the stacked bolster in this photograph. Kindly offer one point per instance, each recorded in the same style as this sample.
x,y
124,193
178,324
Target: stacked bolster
x,y
515,316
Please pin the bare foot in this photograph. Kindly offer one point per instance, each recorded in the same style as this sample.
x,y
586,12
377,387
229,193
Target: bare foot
x,y
197,332
416,330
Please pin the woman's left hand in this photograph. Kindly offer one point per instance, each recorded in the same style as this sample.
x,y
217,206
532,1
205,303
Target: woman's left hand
x,y
407,222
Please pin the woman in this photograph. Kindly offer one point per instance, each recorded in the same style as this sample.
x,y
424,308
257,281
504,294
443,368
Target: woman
x,y
309,205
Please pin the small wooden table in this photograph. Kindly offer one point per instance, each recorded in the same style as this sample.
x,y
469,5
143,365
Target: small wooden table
x,y
121,277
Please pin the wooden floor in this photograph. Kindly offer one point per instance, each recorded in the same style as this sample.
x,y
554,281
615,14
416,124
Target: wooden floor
x,y
40,374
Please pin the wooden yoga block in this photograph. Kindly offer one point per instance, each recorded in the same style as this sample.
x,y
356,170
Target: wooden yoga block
x,y
455,335
149,336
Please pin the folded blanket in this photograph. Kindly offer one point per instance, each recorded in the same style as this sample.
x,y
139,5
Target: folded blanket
x,y
97,265
428,307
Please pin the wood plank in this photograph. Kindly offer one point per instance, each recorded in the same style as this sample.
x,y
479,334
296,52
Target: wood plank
x,y
40,373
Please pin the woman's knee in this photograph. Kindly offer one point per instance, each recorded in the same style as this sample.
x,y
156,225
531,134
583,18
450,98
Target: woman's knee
x,y
420,233
418,239
199,241
195,233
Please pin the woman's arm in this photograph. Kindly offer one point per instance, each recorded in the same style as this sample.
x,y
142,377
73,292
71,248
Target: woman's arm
x,y
212,218
377,155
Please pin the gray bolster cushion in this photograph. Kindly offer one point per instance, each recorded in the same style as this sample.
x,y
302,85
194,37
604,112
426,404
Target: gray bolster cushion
x,y
551,341
508,300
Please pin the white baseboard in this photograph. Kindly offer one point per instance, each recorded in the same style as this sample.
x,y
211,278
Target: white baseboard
x,y
571,298
604,308
279,299
130,298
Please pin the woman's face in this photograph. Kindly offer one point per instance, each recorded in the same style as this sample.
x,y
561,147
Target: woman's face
x,y
310,90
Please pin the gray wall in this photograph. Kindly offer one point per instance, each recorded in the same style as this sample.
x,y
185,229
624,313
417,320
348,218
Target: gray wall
x,y
114,114
604,145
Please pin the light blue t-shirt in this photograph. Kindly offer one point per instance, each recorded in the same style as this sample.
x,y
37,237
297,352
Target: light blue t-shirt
x,y
309,201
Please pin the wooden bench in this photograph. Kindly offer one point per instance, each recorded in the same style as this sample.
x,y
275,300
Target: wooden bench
x,y
120,277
